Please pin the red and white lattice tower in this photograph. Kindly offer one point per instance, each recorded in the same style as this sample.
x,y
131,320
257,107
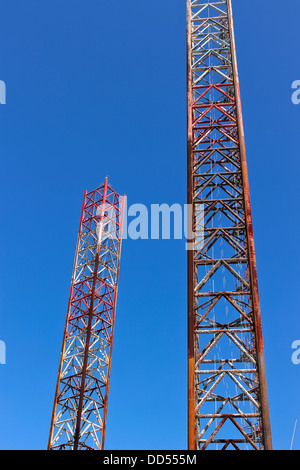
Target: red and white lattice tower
x,y
81,396
227,390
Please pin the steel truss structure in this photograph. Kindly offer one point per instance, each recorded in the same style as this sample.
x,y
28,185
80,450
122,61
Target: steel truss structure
x,y
227,391
81,396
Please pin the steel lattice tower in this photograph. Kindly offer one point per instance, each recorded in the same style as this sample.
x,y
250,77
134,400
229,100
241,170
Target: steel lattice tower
x,y
227,391
81,396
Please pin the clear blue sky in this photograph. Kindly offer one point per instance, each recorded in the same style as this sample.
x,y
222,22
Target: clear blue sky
x,y
98,88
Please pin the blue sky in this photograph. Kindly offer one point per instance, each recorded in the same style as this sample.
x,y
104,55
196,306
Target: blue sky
x,y
98,88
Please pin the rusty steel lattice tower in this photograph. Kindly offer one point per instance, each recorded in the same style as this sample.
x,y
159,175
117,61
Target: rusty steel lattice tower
x,y
227,391
81,396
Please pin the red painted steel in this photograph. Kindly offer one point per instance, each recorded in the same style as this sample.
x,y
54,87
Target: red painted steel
x,y
227,390
81,397
190,255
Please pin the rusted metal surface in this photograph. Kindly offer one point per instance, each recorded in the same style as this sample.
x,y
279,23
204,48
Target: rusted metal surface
x,y
229,404
266,423
191,312
81,396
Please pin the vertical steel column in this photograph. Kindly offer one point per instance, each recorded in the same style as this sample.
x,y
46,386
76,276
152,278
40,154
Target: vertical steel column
x,y
266,423
190,254
227,393
81,397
